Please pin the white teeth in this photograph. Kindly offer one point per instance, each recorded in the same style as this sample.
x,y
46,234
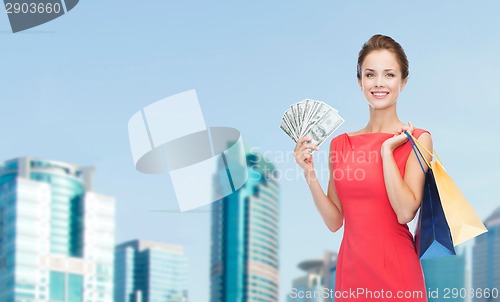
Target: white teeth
x,y
380,93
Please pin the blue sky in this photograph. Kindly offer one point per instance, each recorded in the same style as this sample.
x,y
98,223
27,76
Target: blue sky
x,y
68,88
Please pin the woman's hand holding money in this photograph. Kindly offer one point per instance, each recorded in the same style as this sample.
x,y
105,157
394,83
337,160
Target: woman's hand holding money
x,y
303,156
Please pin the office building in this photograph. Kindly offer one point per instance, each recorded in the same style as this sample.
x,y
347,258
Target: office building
x,y
486,261
56,234
148,271
444,274
244,238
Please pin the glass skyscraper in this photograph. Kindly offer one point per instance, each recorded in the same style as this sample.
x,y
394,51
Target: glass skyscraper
x,y
56,234
244,250
445,277
486,261
150,272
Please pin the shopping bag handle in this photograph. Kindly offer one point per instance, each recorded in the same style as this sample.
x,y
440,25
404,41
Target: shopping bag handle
x,y
419,144
415,147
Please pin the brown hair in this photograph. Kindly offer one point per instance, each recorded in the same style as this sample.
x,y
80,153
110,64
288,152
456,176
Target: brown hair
x,y
379,42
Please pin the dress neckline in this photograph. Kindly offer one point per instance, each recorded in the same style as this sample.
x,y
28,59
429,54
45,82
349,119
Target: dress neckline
x,y
384,133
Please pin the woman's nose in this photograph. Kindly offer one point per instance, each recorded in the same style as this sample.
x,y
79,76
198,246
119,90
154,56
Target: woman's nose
x,y
379,82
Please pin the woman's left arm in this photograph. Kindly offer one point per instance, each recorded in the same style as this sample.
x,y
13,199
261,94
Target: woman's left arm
x,y
405,195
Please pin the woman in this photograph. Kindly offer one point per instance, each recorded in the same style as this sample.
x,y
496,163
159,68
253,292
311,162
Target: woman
x,y
375,187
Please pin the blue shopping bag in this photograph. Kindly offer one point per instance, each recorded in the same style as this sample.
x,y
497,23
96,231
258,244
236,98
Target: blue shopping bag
x,y
433,236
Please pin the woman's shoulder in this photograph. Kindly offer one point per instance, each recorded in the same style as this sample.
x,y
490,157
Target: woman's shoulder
x,y
338,136
418,131
336,139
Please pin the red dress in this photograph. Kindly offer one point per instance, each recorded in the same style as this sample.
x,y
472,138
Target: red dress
x,y
377,260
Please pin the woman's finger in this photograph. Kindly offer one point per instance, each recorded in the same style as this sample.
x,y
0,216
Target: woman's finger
x,y
301,142
411,126
306,156
309,146
299,155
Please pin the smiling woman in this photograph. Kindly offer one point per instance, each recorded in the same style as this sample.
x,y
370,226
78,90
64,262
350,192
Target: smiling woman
x,y
382,71
377,254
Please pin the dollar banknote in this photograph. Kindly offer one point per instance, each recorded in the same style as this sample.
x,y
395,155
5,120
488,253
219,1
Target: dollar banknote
x,y
311,118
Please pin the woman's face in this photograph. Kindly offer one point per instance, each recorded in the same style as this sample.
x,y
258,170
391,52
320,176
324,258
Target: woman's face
x,y
381,80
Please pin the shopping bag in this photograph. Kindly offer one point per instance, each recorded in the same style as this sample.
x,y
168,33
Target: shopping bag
x,y
433,236
463,221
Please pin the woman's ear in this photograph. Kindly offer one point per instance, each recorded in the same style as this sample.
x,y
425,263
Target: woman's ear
x,y
360,83
403,84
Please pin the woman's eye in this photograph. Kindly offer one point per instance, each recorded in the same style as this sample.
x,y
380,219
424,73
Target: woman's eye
x,y
370,75
390,75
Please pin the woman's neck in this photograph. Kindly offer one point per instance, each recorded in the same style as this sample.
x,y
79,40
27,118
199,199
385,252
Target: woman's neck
x,y
383,120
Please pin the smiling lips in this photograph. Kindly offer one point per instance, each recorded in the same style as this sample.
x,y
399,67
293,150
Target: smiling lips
x,y
380,94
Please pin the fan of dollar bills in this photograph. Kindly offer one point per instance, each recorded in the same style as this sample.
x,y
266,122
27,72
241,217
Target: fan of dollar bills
x,y
311,118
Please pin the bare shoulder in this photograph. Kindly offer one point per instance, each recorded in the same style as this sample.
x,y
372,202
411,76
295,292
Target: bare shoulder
x,y
425,139
334,140
423,136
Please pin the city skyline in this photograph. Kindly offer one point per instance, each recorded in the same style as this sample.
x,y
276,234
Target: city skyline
x,y
440,273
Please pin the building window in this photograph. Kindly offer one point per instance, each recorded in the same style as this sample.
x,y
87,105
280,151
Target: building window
x,y
75,288
57,288
65,287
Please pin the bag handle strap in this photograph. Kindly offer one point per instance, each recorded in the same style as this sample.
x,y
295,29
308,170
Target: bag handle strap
x,y
422,146
418,143
415,149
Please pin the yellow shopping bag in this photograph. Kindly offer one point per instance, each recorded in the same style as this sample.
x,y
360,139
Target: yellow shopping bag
x,y
463,221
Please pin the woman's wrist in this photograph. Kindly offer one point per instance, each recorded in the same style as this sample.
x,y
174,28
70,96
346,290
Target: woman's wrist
x,y
386,150
309,175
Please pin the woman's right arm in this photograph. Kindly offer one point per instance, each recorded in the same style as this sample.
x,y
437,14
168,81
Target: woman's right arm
x,y
329,206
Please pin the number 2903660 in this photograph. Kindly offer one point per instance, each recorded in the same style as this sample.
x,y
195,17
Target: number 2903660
x,y
32,8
